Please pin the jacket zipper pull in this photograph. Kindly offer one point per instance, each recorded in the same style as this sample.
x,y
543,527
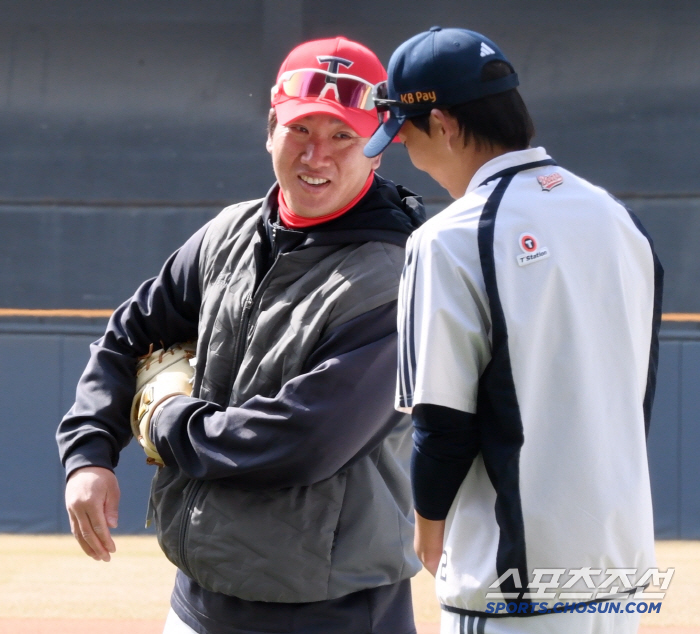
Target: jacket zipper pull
x,y
242,332
274,240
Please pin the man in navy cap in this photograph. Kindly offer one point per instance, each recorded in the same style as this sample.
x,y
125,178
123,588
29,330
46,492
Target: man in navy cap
x,y
528,329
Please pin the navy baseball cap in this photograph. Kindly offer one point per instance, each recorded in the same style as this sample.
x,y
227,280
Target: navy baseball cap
x,y
435,69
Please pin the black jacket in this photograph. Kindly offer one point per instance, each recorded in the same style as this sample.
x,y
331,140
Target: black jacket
x,y
294,391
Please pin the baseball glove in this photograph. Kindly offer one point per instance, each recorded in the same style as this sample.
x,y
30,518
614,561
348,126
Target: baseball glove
x,y
159,375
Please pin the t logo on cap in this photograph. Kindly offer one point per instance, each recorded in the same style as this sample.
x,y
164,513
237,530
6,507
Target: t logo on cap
x,y
333,62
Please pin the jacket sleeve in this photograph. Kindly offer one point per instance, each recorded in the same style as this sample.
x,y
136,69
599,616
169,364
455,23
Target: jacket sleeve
x,y
163,311
323,420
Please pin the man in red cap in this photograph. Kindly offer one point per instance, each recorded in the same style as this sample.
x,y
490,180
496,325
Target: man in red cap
x,y
283,498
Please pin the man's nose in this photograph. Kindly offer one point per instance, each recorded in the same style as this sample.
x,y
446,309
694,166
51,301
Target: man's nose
x,y
316,153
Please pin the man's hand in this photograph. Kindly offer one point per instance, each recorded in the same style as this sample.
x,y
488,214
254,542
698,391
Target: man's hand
x,y
92,501
428,542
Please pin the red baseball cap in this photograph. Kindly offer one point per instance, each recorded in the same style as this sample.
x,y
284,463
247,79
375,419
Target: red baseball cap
x,y
328,91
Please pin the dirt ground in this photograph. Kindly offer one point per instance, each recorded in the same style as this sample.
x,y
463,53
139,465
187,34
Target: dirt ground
x,y
48,586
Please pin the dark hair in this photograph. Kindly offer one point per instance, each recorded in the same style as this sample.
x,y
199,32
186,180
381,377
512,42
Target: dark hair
x,y
500,119
271,122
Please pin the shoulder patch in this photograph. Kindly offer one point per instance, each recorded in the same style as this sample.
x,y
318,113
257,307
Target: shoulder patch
x,y
550,181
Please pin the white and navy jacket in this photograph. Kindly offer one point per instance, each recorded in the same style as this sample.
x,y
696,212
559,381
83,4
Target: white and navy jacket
x,y
528,329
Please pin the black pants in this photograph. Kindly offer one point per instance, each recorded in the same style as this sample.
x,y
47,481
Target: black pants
x,y
383,610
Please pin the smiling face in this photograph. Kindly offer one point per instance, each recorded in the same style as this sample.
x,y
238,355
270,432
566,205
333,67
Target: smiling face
x,y
319,164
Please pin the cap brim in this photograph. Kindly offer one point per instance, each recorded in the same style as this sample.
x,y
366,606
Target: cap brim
x,y
364,122
384,135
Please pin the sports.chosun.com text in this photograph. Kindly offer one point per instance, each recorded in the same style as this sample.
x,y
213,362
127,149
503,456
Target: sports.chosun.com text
x,y
602,607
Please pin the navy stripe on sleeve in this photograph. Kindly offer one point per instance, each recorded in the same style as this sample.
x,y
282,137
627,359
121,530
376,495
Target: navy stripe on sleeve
x,y
656,324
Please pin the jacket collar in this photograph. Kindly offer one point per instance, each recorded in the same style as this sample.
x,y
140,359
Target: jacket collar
x,y
519,158
387,213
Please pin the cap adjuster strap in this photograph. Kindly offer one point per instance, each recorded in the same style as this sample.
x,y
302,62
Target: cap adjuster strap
x,y
494,86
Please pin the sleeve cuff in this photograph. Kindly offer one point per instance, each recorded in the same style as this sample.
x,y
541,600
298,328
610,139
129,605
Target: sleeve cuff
x,y
163,421
95,453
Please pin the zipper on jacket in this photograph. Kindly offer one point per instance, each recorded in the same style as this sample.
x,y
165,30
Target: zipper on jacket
x,y
185,525
241,336
239,350
250,302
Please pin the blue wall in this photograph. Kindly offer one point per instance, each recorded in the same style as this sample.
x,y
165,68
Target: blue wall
x,y
42,364
674,438
38,378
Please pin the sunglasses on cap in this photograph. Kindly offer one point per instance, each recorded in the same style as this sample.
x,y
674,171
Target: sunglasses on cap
x,y
348,90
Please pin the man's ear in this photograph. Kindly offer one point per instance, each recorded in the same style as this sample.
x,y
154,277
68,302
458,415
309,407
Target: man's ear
x,y
442,124
376,162
271,126
437,122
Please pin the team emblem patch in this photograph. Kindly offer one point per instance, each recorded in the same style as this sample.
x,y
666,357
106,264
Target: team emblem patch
x,y
528,243
531,250
550,181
